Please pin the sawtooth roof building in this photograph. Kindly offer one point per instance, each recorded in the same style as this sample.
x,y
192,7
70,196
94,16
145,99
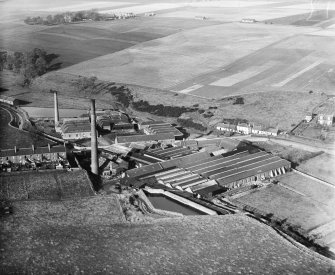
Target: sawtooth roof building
x,y
207,175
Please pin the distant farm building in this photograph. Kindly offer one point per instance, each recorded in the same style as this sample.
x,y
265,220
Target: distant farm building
x,y
248,20
8,100
201,17
76,128
308,118
326,115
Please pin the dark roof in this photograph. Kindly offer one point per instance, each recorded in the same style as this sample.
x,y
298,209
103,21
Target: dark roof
x,y
139,138
210,189
143,159
29,151
171,152
148,169
228,161
181,161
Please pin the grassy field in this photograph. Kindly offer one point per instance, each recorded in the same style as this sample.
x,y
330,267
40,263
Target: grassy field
x,y
321,167
294,155
35,243
11,137
52,185
300,200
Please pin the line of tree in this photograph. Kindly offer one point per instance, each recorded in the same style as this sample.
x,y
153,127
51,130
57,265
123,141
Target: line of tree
x,y
189,123
160,109
78,16
27,65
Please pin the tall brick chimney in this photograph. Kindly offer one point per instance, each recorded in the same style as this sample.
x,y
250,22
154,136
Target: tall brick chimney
x,y
94,147
56,108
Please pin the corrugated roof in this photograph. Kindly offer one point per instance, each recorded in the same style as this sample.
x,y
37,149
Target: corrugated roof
x,y
138,138
249,173
241,165
148,169
228,161
240,168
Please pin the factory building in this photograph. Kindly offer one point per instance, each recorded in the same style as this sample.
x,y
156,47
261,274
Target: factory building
x,y
158,127
76,128
207,175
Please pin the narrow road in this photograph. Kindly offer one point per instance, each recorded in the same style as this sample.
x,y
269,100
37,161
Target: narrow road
x,y
291,143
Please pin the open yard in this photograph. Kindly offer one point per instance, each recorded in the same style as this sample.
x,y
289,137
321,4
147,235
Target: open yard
x,y
35,243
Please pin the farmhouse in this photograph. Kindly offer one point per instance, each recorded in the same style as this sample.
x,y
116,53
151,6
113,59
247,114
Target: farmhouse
x,y
8,100
40,154
248,20
244,128
76,128
326,116
308,118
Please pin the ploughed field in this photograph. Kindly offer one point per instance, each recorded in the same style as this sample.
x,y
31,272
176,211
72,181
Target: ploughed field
x,y
75,43
192,57
45,185
96,242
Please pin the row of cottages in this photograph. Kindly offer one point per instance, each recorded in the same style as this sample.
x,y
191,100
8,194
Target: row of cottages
x,y
247,129
76,128
33,154
8,100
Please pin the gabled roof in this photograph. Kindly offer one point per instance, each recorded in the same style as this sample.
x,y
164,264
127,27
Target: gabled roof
x,y
29,151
